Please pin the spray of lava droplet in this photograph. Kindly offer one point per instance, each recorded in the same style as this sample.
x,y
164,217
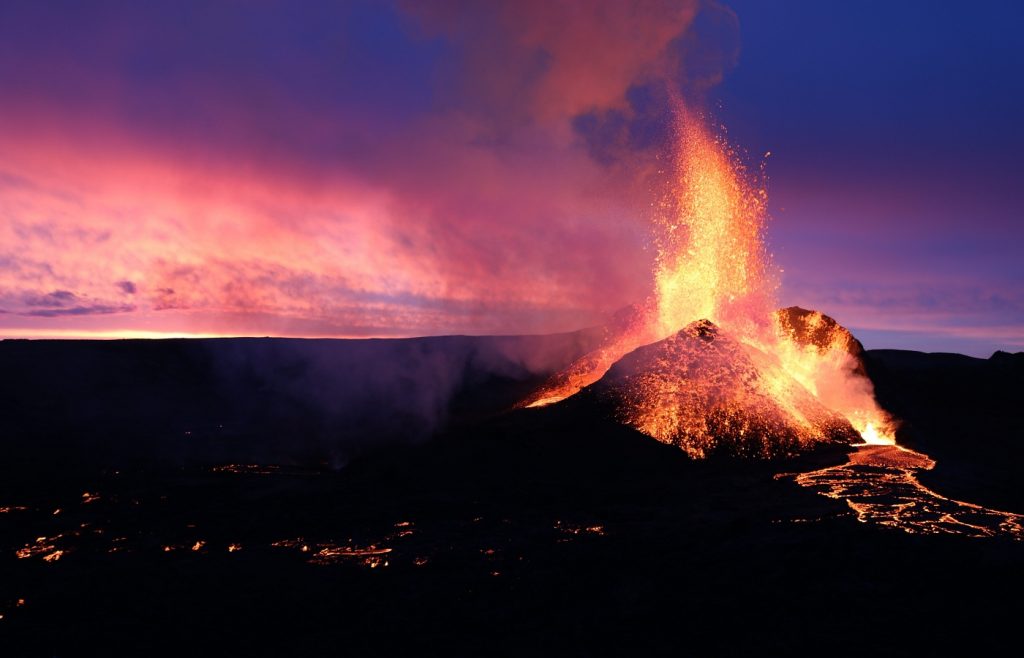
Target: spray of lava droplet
x,y
711,261
712,264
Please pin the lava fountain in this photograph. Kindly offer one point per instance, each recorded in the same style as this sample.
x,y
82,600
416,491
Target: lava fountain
x,y
709,359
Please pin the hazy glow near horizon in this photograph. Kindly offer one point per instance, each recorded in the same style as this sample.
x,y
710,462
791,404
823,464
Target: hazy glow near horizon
x,y
111,334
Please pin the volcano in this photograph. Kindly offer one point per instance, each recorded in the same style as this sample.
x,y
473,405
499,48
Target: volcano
x,y
708,393
706,363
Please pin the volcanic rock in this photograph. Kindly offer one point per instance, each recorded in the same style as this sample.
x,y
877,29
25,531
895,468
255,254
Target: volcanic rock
x,y
815,328
707,394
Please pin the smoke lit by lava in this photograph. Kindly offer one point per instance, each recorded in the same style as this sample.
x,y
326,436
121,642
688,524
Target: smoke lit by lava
x,y
707,362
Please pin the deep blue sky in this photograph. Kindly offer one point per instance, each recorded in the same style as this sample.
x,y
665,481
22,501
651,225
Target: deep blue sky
x,y
896,143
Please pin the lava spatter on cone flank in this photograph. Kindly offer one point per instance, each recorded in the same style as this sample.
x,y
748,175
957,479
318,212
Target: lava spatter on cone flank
x,y
709,394
813,328
628,329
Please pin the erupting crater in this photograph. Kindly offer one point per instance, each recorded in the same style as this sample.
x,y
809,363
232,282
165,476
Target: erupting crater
x,y
705,392
706,363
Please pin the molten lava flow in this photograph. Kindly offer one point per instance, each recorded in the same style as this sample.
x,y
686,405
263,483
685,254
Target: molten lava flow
x,y
766,367
879,484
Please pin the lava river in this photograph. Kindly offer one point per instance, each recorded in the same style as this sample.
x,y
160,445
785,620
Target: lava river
x,y
880,485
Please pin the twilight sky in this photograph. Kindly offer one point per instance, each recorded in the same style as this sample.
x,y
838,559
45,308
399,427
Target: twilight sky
x,y
407,168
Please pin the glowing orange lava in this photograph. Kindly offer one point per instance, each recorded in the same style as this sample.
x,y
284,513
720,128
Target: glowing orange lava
x,y
711,262
879,484
750,371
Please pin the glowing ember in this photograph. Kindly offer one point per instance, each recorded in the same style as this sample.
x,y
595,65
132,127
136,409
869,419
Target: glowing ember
x,y
370,556
249,469
291,543
770,380
264,469
43,546
574,530
331,553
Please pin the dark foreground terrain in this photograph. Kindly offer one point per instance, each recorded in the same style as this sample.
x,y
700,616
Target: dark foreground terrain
x,y
230,498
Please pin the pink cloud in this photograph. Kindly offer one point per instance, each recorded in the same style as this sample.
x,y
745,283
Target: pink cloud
x,y
485,214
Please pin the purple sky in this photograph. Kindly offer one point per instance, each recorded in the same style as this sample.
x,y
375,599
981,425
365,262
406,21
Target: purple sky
x,y
352,169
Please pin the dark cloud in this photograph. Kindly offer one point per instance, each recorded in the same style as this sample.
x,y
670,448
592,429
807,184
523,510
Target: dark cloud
x,y
94,309
57,298
58,303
